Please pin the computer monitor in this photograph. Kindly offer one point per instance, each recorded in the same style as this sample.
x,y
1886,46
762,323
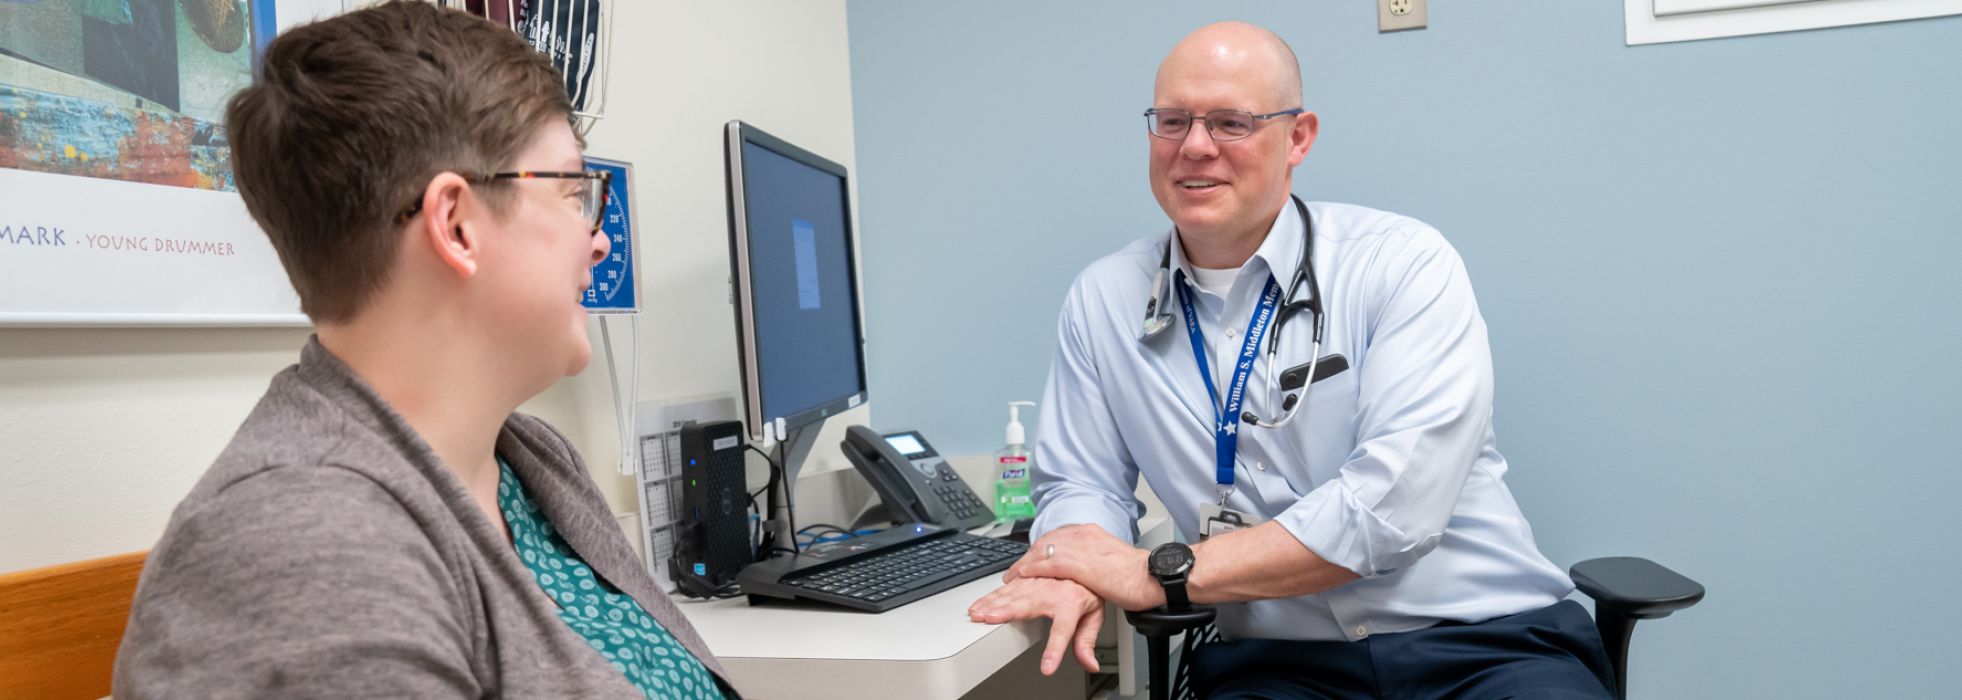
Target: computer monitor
x,y
796,284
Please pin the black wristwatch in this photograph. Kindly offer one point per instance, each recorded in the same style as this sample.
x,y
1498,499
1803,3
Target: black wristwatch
x,y
1169,563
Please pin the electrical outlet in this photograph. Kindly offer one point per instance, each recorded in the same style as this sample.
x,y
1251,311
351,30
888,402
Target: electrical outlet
x,y
1399,15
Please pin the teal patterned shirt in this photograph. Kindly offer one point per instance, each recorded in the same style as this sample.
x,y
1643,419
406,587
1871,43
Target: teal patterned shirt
x,y
616,626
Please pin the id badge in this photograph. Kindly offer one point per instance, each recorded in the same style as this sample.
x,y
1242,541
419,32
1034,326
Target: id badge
x,y
1215,519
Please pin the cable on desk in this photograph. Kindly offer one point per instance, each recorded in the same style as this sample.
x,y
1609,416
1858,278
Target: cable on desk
x,y
766,456
766,541
827,527
822,533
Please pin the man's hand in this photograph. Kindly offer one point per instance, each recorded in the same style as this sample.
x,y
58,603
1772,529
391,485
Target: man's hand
x,y
1086,554
1074,611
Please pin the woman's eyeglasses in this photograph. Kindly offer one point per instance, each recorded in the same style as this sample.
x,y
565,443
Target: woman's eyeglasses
x,y
592,196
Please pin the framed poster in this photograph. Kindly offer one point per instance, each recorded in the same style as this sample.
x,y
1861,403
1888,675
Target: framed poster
x,y
1663,21
117,204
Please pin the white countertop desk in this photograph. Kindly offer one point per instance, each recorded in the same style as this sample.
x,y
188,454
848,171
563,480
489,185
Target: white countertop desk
x,y
923,650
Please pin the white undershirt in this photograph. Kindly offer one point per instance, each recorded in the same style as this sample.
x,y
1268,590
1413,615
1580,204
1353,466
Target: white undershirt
x,y
1216,281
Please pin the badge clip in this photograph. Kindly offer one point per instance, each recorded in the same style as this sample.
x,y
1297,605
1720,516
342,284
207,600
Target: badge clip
x,y
1219,520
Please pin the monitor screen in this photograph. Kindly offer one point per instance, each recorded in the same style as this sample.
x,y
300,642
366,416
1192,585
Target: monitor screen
x,y
796,287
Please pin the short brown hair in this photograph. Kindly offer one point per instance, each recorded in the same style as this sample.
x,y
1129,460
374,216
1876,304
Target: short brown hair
x,y
348,119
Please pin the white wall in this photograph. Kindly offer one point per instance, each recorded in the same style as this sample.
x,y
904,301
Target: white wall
x,y
102,431
686,70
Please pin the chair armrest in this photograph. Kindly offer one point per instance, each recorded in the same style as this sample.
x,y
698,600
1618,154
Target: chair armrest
x,y
1161,623
1635,587
1158,625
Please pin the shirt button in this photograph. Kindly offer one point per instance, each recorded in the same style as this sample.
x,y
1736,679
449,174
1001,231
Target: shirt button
x,y
1260,465
1231,331
1362,631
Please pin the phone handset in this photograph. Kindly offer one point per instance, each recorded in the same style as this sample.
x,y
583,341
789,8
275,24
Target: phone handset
x,y
891,474
914,482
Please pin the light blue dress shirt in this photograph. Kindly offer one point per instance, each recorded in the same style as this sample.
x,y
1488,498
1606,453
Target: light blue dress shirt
x,y
1391,470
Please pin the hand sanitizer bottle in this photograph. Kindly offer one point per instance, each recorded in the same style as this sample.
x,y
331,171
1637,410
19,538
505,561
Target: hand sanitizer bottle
x,y
1013,500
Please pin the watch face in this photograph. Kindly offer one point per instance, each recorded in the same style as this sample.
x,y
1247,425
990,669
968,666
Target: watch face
x,y
1170,560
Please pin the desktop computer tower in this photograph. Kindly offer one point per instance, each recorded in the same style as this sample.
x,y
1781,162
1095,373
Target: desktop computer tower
x,y
712,541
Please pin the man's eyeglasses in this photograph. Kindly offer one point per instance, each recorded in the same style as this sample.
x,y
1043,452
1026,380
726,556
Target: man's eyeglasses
x,y
1221,124
592,196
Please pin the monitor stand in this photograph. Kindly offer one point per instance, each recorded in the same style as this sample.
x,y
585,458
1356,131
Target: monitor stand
x,y
790,454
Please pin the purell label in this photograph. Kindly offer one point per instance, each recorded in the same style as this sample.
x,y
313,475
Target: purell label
x,y
1014,473
726,443
1012,460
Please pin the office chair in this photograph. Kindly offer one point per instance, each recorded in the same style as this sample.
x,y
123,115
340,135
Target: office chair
x,y
1624,589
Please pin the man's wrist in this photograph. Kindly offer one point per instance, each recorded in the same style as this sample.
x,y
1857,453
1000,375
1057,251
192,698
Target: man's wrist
x,y
1151,594
1154,592
1192,583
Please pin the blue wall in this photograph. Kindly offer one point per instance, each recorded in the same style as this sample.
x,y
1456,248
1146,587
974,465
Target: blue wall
x,y
1720,278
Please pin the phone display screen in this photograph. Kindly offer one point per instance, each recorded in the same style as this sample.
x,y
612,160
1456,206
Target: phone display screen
x,y
906,443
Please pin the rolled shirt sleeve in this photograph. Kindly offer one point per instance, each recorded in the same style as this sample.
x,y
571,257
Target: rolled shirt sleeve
x,y
1083,471
1424,412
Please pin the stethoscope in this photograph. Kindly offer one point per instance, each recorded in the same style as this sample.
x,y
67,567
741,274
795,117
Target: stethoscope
x,y
1157,320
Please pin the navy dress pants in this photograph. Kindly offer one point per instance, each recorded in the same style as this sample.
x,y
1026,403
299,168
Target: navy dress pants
x,y
1553,652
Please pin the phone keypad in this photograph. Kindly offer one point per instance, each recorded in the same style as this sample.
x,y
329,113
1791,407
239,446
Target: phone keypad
x,y
955,494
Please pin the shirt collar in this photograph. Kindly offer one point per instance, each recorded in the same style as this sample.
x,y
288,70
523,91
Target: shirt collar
x,y
1281,250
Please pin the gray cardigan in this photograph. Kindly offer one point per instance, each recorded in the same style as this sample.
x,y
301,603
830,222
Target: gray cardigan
x,y
329,553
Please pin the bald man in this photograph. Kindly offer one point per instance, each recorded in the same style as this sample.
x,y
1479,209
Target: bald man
x,y
1356,534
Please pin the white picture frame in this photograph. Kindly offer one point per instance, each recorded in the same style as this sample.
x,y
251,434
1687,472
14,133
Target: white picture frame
x,y
81,250
1665,21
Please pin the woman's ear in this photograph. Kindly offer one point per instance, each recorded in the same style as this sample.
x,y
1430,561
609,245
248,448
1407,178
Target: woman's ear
x,y
450,216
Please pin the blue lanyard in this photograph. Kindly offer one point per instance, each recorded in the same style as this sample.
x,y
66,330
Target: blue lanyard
x,y
1226,417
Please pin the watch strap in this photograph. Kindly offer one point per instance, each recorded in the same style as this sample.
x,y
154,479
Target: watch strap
x,y
1175,597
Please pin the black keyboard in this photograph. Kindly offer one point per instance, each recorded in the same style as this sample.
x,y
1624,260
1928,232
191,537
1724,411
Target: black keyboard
x,y
881,571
